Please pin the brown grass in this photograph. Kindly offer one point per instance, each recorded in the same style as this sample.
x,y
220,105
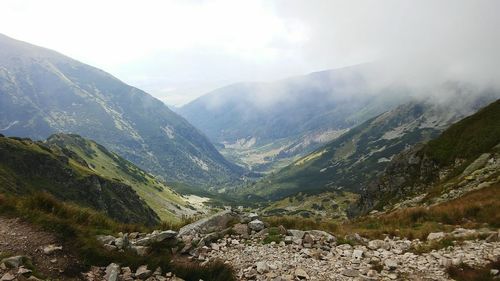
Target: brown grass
x,y
474,210
465,273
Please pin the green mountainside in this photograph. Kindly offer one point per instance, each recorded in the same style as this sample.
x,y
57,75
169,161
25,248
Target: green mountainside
x,y
168,204
43,92
263,126
464,157
351,161
28,166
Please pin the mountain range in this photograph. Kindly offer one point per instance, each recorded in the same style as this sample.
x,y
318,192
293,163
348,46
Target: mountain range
x,y
351,161
43,92
264,126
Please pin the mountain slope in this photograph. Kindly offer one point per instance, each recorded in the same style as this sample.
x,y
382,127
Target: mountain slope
x,y
27,167
168,204
464,157
282,119
355,158
43,92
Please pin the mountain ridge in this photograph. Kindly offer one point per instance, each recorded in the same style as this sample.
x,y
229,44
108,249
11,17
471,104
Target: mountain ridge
x,y
44,92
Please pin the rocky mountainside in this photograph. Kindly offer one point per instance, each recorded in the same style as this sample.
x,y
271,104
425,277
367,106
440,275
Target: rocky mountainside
x,y
464,157
258,124
168,204
27,167
351,161
43,92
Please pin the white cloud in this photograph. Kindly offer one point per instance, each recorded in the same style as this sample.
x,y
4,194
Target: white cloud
x,y
193,46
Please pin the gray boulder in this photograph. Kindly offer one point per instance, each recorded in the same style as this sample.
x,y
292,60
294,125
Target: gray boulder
x,y
256,225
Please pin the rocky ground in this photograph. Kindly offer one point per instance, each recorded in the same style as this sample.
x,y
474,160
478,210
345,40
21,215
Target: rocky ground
x,y
26,250
379,260
256,252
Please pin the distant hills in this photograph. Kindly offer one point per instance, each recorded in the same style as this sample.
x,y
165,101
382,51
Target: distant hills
x,y
260,124
43,92
353,160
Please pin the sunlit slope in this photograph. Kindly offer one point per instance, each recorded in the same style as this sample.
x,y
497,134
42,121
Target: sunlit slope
x,y
168,204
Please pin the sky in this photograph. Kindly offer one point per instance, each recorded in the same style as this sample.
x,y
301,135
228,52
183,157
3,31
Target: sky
x,y
179,50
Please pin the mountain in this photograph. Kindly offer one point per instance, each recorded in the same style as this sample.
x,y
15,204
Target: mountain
x,y
351,161
43,92
28,166
260,124
168,204
464,157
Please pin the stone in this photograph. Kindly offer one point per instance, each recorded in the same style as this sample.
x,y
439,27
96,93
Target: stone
x,y
215,246
301,273
141,250
288,239
435,236
308,239
391,264
143,272
241,229
378,244
214,223
323,234
14,261
357,254
253,216
262,267
112,272
50,249
105,239
23,271
494,272
350,272
256,225
298,234
8,277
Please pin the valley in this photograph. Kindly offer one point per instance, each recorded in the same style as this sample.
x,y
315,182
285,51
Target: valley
x,y
382,165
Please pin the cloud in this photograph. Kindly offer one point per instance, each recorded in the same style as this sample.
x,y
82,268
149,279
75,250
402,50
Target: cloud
x,y
194,46
417,42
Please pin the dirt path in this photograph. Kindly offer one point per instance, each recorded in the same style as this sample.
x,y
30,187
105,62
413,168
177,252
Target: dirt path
x,y
21,238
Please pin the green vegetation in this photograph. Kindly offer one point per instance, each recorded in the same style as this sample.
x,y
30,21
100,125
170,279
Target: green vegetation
x,y
326,205
468,138
290,222
168,204
27,167
79,226
353,159
476,209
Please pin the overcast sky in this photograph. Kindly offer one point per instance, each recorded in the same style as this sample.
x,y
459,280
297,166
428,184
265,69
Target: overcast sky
x,y
178,50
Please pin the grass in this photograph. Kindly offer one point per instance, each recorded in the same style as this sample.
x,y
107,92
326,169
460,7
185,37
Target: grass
x,y
464,272
290,222
468,138
79,226
476,209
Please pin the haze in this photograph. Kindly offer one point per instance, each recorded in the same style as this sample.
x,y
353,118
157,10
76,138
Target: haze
x,y
179,50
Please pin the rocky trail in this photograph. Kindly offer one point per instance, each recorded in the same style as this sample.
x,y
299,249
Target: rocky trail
x,y
26,251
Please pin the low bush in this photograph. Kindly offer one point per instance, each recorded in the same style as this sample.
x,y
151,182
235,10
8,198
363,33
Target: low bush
x,y
79,226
